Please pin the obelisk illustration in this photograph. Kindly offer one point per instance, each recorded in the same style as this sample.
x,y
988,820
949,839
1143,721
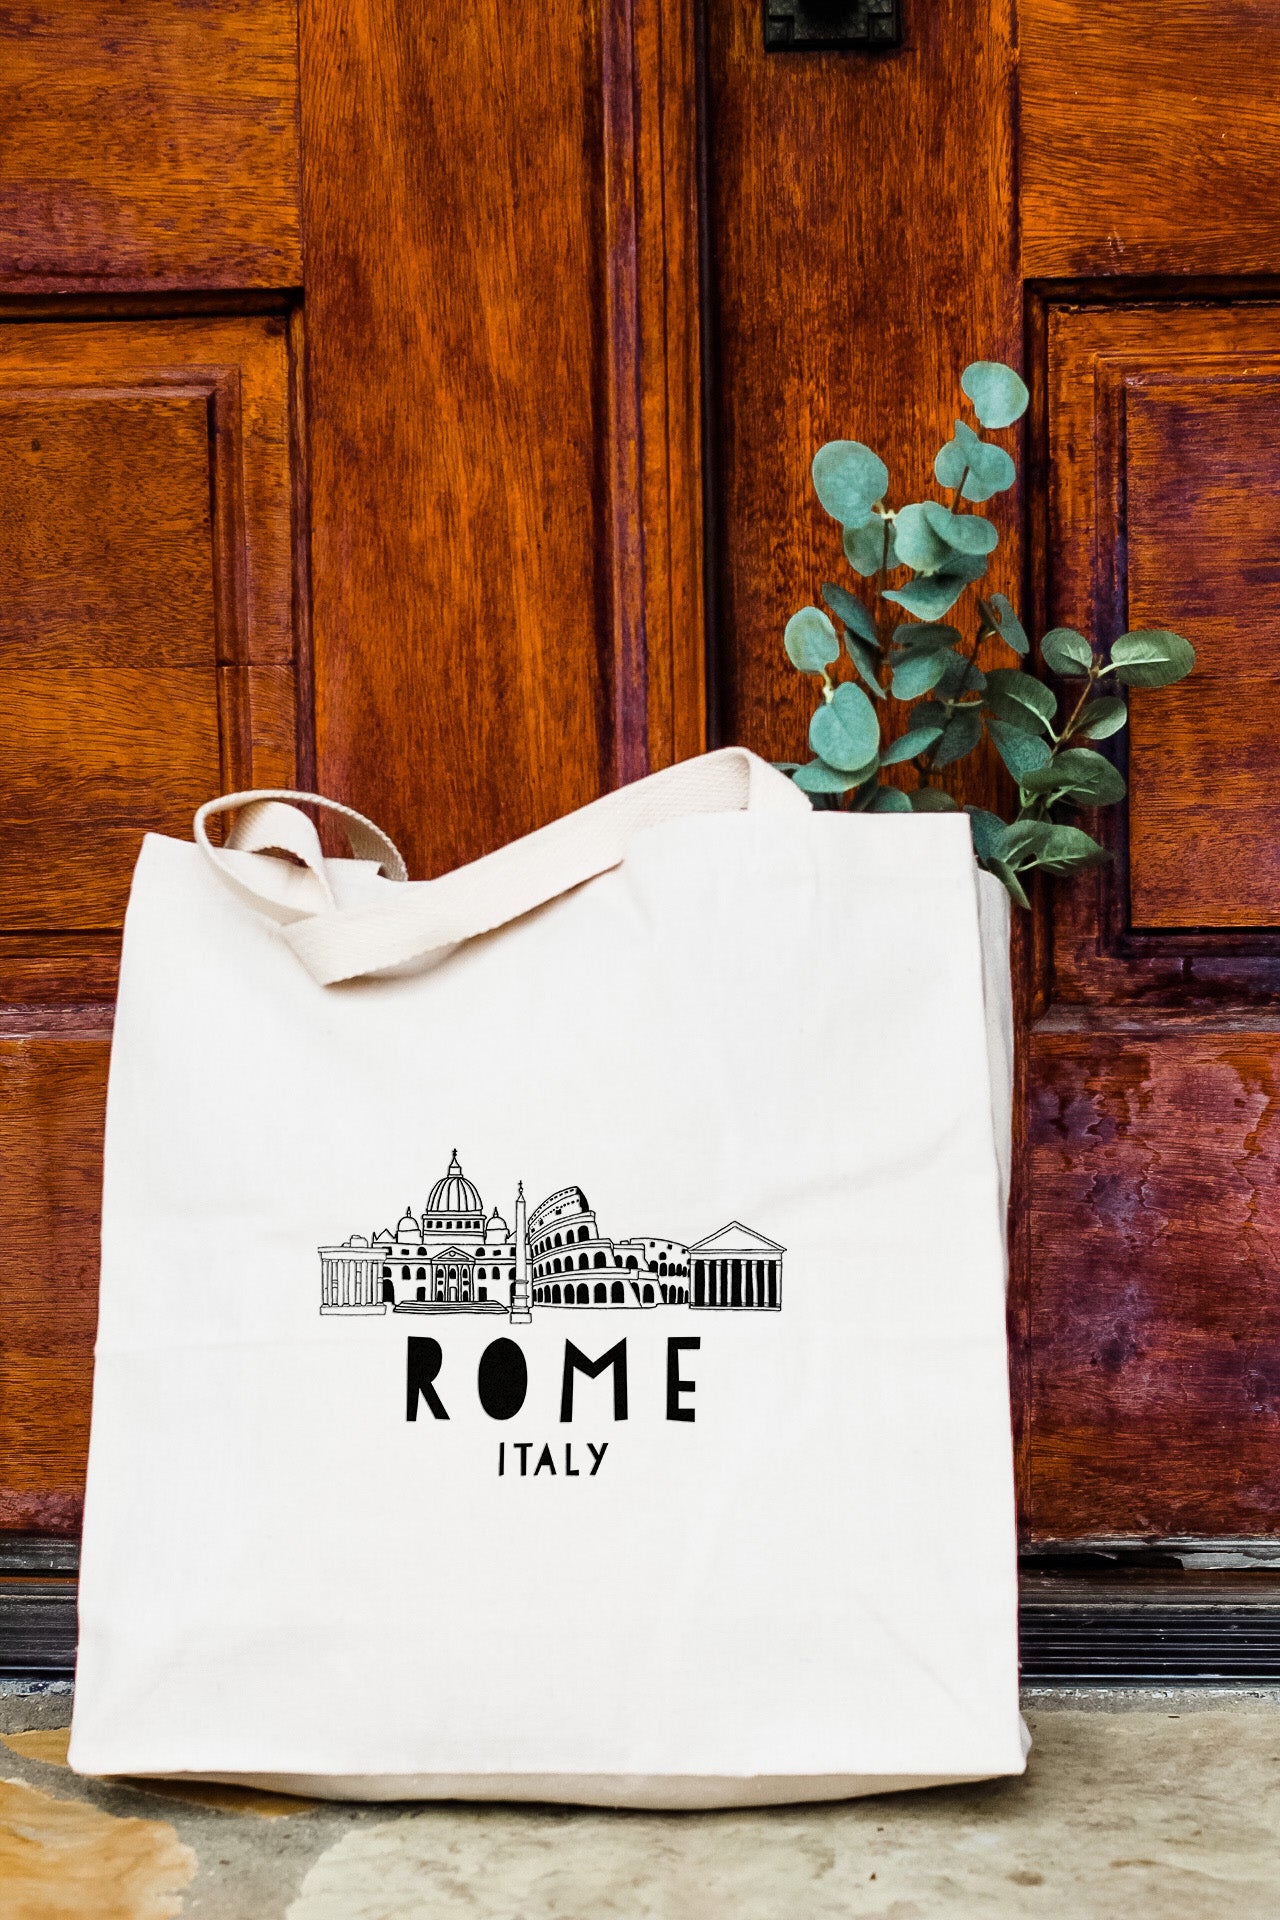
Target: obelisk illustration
x,y
520,1313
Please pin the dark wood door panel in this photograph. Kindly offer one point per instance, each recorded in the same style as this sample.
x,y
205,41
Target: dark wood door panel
x,y
1151,1312
503,426
149,147
52,1095
1164,452
841,309
146,639
147,659
1149,139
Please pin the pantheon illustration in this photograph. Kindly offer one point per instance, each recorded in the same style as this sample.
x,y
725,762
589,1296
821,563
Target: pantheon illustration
x,y
455,1258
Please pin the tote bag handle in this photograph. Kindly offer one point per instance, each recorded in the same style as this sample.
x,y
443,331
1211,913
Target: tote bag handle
x,y
337,944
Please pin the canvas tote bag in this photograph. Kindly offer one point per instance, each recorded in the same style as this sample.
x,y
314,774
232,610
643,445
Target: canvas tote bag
x,y
552,1330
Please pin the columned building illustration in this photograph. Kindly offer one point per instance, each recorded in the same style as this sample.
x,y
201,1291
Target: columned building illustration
x,y
453,1258
736,1267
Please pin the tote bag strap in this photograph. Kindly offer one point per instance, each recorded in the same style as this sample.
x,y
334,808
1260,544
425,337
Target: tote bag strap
x,y
337,944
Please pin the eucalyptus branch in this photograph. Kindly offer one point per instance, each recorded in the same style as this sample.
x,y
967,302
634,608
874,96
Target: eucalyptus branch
x,y
943,545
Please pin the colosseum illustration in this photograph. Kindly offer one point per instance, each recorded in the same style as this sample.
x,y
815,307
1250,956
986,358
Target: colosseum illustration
x,y
454,1258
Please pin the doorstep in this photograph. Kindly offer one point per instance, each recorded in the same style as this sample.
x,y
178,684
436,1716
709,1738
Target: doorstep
x,y
1162,1802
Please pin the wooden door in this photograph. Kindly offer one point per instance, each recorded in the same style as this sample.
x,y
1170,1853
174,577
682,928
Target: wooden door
x,y
386,393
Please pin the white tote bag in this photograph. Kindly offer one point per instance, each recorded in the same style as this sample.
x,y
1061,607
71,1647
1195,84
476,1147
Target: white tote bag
x,y
552,1334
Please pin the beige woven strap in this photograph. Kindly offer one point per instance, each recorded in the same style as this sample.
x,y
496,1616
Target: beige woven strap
x,y
344,944
266,824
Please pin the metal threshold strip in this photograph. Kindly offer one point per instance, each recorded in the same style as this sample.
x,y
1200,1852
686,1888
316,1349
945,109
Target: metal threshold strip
x,y
1120,1617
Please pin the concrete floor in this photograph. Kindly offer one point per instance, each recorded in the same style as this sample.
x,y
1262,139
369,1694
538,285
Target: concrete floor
x,y
1136,1806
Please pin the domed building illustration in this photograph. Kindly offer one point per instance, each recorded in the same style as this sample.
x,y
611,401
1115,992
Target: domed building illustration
x,y
454,1258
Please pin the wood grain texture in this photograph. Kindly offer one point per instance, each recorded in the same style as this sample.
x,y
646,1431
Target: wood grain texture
x,y
1164,458
149,146
52,1095
146,651
480,521
848,295
1153,1312
1149,140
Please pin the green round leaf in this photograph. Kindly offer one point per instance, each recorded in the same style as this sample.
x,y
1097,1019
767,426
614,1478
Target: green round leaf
x,y
915,740
918,544
935,594
1080,775
810,640
931,800
1022,752
998,394
962,532
817,777
865,547
1005,874
867,660
845,731
1007,623
988,832
847,607
1068,847
1007,685
960,676
918,672
925,636
849,479
989,469
1066,652
1152,657
1100,718
960,736
889,800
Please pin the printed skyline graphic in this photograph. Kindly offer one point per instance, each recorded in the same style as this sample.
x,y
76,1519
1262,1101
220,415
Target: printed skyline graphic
x,y
453,1258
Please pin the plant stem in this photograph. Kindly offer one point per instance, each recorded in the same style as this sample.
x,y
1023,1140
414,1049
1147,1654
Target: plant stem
x,y
1095,672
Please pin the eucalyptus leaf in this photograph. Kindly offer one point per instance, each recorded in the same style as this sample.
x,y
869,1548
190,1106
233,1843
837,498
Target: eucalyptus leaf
x,y
818,777
810,640
935,594
847,607
1022,752
1002,617
926,635
998,394
1100,718
962,532
1066,652
988,832
1078,774
866,793
960,676
1008,879
930,713
1011,684
1152,657
865,547
867,660
931,800
918,672
918,543
1069,847
960,736
985,469
849,479
889,800
915,740
1057,849
845,731
1024,840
